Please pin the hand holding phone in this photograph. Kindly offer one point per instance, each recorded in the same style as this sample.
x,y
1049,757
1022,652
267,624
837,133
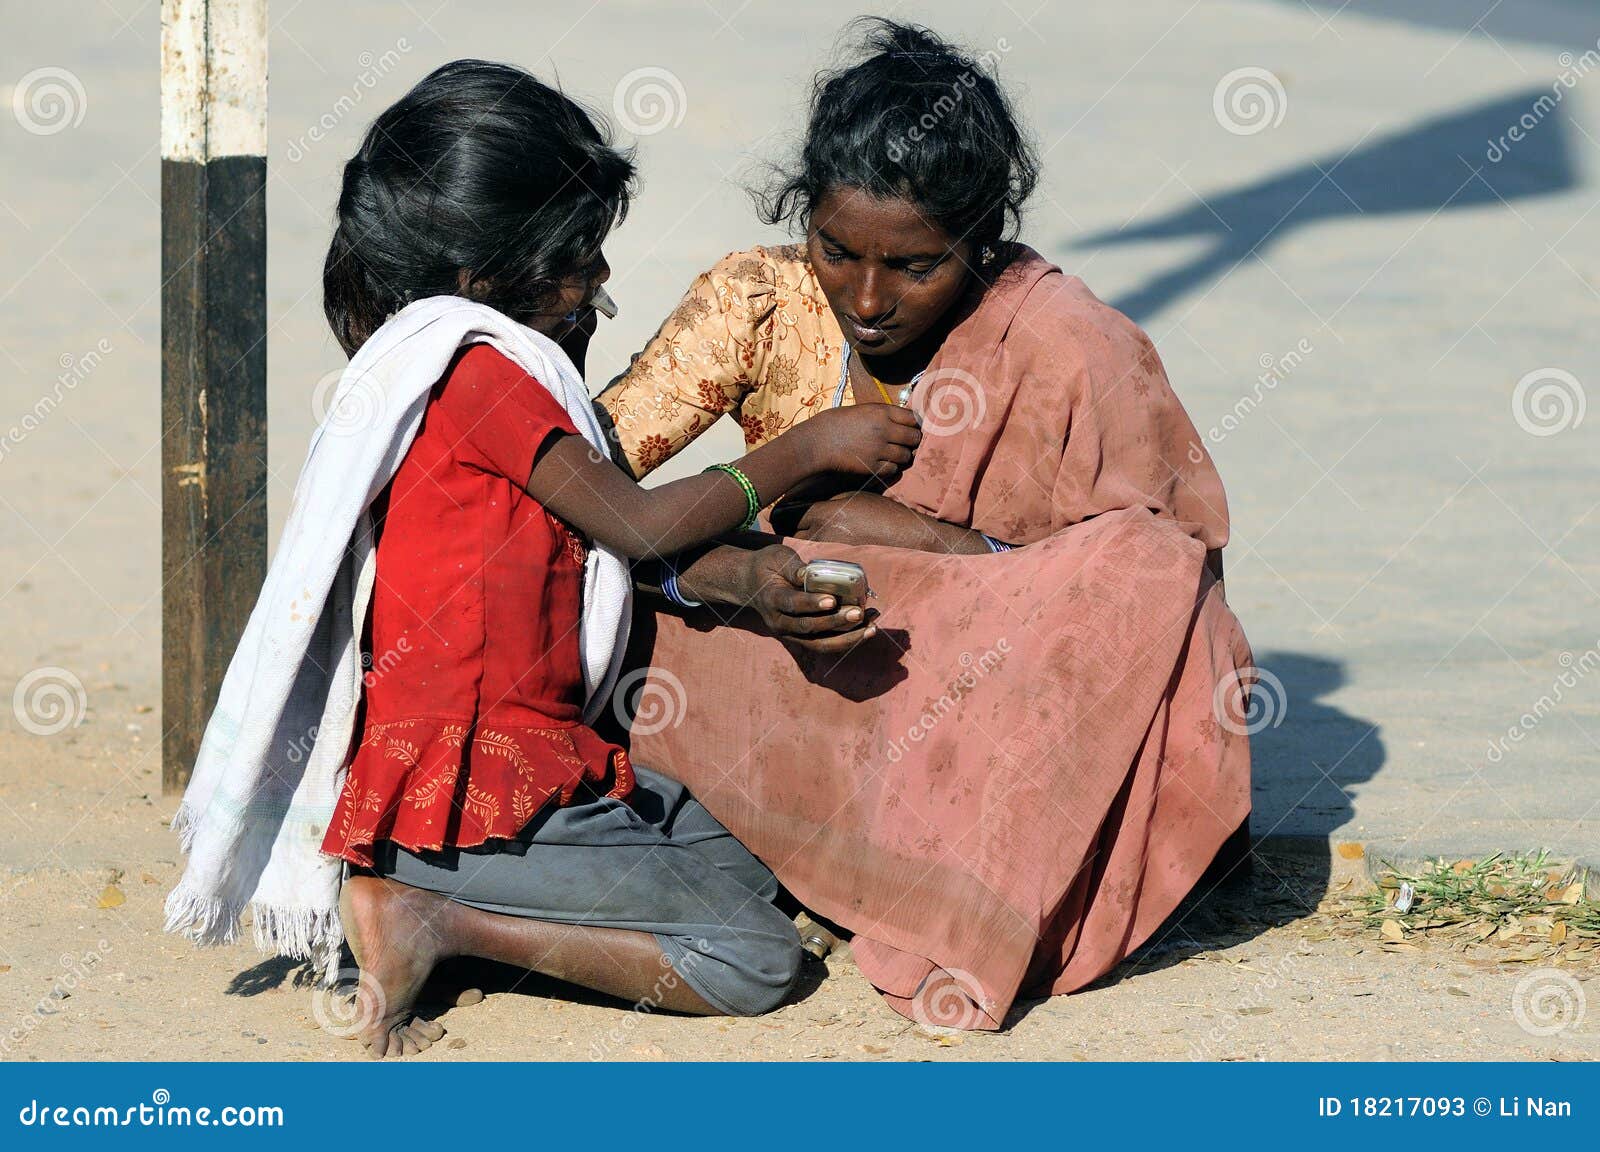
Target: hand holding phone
x,y
838,578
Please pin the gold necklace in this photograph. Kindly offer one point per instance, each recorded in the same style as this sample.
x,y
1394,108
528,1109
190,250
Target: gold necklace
x,y
905,391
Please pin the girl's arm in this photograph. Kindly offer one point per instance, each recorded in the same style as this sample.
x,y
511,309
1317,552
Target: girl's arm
x,y
758,574
589,492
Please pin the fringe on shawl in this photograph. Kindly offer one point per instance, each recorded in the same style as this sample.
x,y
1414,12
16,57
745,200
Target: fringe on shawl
x,y
302,933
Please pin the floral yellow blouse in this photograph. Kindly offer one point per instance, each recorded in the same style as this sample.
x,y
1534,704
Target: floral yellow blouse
x,y
753,336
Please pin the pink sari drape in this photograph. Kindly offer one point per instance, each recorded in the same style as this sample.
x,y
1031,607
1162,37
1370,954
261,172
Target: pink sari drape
x,y
1022,777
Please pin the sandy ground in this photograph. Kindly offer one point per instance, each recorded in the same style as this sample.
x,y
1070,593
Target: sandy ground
x,y
1415,564
1251,971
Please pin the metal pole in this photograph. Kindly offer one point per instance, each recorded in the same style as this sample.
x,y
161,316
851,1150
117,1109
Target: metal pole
x,y
213,353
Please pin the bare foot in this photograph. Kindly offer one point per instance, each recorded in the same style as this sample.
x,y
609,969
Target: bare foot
x,y
395,933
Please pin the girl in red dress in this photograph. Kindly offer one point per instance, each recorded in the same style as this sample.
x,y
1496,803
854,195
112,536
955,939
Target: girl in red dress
x,y
480,816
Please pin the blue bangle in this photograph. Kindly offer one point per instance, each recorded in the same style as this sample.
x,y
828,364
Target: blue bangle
x,y
669,587
994,545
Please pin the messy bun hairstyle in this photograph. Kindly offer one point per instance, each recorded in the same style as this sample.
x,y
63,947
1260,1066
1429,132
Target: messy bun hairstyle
x,y
915,117
479,170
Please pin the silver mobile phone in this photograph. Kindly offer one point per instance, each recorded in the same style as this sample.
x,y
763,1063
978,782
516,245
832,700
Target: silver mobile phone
x,y
839,578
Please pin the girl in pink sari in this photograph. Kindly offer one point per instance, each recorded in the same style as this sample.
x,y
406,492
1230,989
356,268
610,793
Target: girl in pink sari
x,y
1008,773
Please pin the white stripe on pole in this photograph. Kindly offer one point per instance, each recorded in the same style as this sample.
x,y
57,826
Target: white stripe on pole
x,y
213,79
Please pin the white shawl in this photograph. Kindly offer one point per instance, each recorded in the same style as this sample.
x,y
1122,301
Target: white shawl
x,y
271,764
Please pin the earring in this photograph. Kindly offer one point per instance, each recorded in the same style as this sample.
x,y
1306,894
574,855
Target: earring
x,y
986,255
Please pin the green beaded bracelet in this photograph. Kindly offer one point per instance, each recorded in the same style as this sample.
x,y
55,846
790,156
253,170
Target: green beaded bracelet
x,y
750,494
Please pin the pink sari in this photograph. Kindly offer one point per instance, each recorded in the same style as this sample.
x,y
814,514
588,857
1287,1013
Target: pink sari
x,y
1010,789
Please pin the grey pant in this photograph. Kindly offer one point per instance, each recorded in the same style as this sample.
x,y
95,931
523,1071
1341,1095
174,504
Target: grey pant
x,y
660,864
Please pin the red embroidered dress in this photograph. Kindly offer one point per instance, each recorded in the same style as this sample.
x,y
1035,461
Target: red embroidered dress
x,y
473,693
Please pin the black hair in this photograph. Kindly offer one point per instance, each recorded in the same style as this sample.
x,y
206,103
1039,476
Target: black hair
x,y
919,118
480,169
